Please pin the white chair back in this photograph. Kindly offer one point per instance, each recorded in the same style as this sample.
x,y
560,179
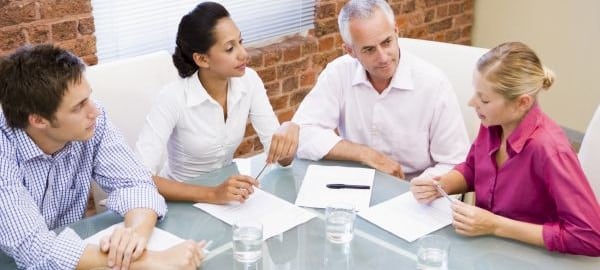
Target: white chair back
x,y
458,63
589,153
127,87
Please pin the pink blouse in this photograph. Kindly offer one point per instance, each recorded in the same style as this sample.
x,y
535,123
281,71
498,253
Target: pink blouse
x,y
541,182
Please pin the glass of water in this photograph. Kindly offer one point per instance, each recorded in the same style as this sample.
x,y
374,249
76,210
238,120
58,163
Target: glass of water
x,y
433,253
339,222
247,240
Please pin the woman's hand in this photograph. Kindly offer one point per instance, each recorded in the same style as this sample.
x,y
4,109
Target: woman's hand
x,y
284,144
424,190
471,220
235,188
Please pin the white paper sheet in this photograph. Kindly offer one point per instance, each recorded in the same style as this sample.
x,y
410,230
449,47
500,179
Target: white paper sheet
x,y
408,219
159,240
314,193
276,215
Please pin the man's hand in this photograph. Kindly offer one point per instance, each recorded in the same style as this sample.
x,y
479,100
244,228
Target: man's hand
x,y
124,246
235,188
284,144
383,163
471,220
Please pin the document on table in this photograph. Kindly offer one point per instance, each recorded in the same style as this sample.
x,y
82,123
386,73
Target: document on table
x,y
159,240
275,214
408,219
314,193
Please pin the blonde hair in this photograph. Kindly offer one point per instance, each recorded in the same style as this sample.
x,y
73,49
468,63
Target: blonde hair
x,y
514,69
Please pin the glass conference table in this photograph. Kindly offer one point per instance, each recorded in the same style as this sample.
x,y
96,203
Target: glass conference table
x,y
305,246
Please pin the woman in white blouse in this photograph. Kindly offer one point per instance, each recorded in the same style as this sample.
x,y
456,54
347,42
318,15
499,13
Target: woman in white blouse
x,y
201,118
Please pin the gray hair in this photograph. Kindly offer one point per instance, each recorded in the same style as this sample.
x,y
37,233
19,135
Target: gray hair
x,y
361,9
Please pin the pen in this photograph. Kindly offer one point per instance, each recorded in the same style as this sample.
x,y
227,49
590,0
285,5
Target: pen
x,y
441,191
261,171
339,186
206,246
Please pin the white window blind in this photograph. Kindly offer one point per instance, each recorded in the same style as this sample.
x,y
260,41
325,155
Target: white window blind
x,y
133,27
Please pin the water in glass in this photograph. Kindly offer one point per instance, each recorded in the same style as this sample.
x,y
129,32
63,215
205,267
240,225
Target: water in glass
x,y
432,259
247,244
339,226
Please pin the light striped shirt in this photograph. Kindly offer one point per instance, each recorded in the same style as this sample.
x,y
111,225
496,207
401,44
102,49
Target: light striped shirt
x,y
40,192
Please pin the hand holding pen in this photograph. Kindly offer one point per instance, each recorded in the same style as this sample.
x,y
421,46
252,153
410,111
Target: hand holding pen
x,y
439,188
426,190
235,188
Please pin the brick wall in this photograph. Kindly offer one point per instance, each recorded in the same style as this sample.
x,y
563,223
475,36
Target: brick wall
x,y
290,68
68,23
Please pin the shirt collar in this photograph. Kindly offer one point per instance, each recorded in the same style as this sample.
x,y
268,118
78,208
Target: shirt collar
x,y
525,129
402,79
27,149
196,93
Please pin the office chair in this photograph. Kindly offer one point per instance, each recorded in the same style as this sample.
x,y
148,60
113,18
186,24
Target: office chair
x,y
589,153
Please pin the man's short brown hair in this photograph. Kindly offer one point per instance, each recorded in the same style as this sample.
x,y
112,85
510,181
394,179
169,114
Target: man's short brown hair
x,y
34,79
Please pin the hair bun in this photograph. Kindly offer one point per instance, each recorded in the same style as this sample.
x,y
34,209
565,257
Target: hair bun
x,y
182,63
548,78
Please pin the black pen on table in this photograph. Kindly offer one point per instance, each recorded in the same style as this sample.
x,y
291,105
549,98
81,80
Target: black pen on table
x,y
340,186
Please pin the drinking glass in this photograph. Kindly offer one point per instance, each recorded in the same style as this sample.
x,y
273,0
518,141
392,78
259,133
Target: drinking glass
x,y
247,240
432,253
339,222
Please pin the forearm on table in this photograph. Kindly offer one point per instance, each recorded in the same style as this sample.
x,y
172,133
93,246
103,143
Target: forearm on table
x,y
346,150
520,231
178,191
141,220
93,257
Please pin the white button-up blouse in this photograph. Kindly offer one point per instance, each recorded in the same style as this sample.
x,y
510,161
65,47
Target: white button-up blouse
x,y
190,124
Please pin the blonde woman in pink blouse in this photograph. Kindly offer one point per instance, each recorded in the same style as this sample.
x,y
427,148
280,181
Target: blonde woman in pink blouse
x,y
528,183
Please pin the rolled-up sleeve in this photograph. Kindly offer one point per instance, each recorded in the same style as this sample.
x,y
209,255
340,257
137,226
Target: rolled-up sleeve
x,y
318,116
128,183
578,229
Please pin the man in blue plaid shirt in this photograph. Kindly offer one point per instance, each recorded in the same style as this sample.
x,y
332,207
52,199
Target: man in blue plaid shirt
x,y
53,141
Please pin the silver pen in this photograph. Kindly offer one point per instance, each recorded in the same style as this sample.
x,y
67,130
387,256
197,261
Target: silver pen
x,y
441,191
261,171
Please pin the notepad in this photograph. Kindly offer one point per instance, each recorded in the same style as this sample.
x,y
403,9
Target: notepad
x,y
314,191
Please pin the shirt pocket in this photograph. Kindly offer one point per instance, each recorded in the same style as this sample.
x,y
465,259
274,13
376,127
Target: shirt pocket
x,y
411,149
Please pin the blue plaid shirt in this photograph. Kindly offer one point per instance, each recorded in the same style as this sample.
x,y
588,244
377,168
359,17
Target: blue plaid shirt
x,y
40,192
